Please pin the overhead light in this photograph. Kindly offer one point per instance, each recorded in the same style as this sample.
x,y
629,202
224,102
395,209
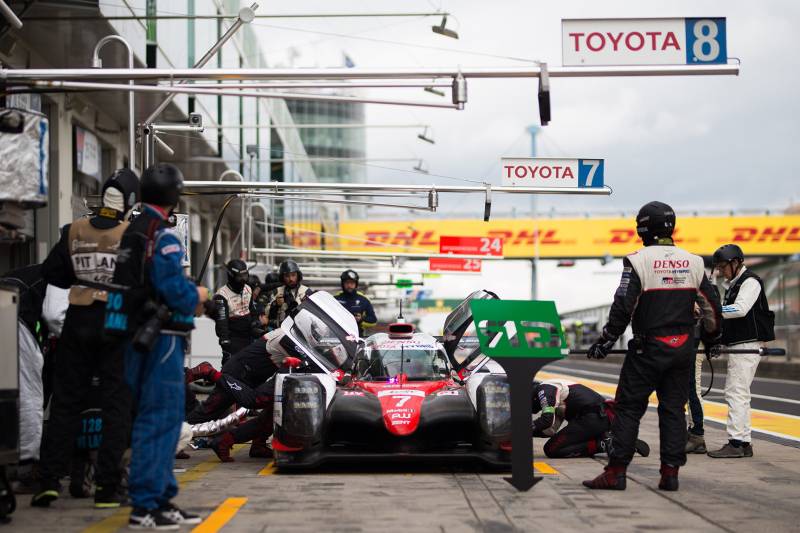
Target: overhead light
x,y
544,94
424,136
420,168
441,30
434,91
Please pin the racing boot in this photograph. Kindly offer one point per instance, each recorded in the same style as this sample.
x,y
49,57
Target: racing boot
x,y
612,478
696,444
260,449
222,447
669,477
729,451
202,371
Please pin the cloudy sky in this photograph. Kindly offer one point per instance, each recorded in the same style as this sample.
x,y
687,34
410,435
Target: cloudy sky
x,y
696,142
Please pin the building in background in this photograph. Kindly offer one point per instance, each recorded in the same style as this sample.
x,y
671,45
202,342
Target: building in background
x,y
89,130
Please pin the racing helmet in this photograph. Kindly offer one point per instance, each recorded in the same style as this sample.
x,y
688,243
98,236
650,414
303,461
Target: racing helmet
x,y
727,253
289,266
237,273
125,185
162,185
655,220
349,274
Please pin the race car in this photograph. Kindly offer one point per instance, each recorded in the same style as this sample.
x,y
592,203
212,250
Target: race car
x,y
399,395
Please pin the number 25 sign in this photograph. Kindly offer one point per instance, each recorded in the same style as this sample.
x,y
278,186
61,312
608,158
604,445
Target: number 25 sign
x,y
666,41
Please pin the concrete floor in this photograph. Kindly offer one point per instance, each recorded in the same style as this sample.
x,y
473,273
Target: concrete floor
x,y
758,494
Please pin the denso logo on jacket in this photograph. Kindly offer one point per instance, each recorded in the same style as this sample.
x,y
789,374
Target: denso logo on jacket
x,y
670,263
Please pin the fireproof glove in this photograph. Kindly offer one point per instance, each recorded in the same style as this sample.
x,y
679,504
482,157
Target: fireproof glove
x,y
600,349
713,350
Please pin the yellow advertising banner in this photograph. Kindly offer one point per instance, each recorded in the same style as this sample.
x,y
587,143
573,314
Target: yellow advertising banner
x,y
574,238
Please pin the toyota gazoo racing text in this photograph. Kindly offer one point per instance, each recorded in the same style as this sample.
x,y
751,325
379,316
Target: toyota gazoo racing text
x,y
399,395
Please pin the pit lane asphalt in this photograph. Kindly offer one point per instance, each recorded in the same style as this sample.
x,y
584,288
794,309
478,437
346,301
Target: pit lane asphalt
x,y
734,495
730,495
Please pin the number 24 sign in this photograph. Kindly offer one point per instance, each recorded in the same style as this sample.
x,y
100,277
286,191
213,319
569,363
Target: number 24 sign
x,y
471,245
666,41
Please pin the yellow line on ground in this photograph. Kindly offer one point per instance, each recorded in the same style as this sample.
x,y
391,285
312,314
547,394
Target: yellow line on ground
x,y
268,470
120,517
544,468
112,523
778,424
220,516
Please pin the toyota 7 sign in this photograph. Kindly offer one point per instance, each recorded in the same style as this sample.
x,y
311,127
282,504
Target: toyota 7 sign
x,y
555,173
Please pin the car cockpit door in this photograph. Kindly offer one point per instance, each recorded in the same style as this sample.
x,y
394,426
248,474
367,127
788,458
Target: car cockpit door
x,y
460,339
323,332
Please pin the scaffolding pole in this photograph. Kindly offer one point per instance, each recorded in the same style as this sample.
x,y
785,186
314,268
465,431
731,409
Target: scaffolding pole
x,y
156,74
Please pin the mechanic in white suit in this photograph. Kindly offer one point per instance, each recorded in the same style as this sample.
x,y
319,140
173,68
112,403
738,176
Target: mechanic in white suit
x,y
747,323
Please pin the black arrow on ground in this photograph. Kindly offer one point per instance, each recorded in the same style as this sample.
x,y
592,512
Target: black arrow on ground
x,y
520,374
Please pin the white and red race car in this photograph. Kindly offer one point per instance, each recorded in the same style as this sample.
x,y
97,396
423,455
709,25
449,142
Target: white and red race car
x,y
399,395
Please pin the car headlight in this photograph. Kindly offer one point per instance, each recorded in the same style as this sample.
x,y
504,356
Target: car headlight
x,y
303,406
494,407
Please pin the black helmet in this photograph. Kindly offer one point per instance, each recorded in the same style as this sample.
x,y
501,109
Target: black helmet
x,y
349,274
162,185
655,220
126,182
236,270
288,267
727,253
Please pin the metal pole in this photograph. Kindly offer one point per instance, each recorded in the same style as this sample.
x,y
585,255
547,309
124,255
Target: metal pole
x,y
362,74
10,16
266,226
315,126
326,85
148,147
235,174
217,17
193,185
98,63
172,91
212,159
246,15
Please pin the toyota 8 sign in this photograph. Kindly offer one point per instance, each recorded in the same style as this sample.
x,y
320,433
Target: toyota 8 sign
x,y
667,41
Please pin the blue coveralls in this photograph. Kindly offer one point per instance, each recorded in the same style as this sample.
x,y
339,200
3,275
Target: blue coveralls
x,y
156,381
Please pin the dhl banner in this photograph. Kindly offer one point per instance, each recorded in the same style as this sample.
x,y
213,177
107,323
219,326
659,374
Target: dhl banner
x,y
568,238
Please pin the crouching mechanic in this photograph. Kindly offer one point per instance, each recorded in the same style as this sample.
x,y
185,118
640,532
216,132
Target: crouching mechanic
x,y
588,416
235,310
747,323
660,285
241,382
153,311
355,302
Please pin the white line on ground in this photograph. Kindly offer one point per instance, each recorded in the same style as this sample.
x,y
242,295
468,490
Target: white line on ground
x,y
718,391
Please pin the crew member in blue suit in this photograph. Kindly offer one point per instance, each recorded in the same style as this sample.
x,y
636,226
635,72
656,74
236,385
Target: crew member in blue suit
x,y
355,301
153,309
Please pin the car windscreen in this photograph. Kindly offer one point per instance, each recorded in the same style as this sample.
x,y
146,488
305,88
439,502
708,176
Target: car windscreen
x,y
415,362
324,337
